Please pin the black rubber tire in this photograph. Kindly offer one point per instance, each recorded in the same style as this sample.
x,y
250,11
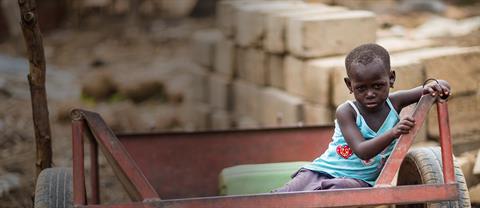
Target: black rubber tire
x,y
54,188
424,166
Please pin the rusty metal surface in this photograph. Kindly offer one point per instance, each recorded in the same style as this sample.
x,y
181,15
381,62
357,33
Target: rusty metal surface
x,y
181,165
124,166
446,143
79,192
405,141
330,198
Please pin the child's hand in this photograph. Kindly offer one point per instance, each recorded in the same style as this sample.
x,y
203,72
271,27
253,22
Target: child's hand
x,y
403,126
440,87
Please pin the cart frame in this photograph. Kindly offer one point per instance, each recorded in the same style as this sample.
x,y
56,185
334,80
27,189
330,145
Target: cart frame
x,y
144,187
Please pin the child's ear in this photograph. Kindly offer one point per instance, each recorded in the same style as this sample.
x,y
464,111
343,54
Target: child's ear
x,y
348,83
392,78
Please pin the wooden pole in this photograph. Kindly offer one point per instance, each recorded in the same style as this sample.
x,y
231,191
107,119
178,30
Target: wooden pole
x,y
36,80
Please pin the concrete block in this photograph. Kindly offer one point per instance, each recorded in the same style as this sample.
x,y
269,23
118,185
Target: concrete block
x,y
203,46
318,115
398,44
440,62
476,167
256,66
275,71
276,25
220,92
318,80
247,99
195,116
466,161
221,120
226,14
250,20
464,112
225,58
330,34
241,62
295,76
474,194
247,123
379,6
281,109
338,90
409,73
188,84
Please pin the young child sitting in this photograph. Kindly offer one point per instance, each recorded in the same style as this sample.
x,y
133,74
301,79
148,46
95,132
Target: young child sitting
x,y
365,129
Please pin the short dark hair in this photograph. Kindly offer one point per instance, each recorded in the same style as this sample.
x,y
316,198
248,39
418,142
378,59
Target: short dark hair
x,y
366,54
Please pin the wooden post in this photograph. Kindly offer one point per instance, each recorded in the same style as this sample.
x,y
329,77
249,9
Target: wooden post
x,y
36,80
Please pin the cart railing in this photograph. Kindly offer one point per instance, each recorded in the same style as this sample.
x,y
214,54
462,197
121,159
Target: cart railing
x,y
145,195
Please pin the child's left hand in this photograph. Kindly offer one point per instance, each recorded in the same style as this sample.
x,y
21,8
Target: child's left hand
x,y
440,87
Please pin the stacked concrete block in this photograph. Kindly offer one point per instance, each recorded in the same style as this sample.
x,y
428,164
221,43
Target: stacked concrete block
x,y
247,100
221,120
256,66
225,57
281,109
276,25
275,71
203,46
315,114
439,63
220,92
249,20
330,34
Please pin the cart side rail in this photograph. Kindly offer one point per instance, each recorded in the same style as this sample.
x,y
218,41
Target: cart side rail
x,y
405,141
131,177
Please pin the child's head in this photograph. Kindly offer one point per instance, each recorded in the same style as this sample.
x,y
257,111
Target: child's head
x,y
369,75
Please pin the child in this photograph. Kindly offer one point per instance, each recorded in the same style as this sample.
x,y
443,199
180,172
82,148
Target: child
x,y
365,129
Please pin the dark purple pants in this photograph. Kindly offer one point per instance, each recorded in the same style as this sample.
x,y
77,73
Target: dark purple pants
x,y
307,180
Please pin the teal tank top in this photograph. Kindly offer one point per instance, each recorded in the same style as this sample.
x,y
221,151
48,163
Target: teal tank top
x,y
340,161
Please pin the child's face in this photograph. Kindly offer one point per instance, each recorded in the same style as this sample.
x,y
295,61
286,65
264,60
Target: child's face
x,y
370,84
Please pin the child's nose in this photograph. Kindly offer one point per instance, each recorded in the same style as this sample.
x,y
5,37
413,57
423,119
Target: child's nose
x,y
370,94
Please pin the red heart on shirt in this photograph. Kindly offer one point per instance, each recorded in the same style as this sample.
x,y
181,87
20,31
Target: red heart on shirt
x,y
344,151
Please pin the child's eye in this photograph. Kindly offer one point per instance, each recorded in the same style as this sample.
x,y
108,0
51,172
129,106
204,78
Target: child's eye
x,y
377,86
360,89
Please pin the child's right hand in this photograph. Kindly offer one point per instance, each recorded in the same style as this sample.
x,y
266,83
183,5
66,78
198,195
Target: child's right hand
x,y
403,126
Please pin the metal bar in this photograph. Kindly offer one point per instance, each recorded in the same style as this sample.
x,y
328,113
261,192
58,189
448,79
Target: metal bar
x,y
94,179
331,198
124,166
404,142
446,143
79,191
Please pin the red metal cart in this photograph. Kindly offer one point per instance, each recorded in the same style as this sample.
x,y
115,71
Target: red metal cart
x,y
148,165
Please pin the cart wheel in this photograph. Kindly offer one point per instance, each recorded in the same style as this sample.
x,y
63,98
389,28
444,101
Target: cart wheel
x,y
54,188
424,166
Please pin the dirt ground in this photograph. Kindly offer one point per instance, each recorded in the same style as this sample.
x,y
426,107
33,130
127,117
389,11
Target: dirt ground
x,y
111,46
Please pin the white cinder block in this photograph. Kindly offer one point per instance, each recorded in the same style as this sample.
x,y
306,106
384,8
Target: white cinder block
x,y
250,20
459,66
276,25
221,120
276,71
220,92
318,115
225,58
295,76
203,46
256,66
247,99
281,109
329,34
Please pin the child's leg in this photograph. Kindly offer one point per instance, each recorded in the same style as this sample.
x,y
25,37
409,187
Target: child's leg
x,y
302,181
342,183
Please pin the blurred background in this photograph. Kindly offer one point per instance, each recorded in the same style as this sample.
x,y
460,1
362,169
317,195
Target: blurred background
x,y
196,65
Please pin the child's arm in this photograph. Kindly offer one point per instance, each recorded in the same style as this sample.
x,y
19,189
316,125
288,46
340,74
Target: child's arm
x,y
366,149
403,98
